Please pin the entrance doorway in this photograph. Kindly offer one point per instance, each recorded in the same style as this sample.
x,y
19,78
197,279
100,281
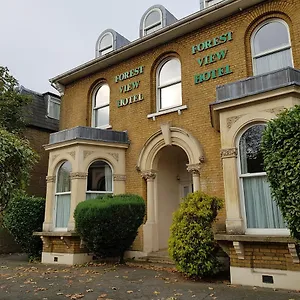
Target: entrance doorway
x,y
173,182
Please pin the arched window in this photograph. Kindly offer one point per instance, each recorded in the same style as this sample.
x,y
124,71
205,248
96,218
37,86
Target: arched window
x,y
261,212
271,47
63,196
99,180
101,98
152,21
106,44
169,84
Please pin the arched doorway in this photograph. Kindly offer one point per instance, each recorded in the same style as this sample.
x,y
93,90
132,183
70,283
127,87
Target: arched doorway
x,y
173,183
170,162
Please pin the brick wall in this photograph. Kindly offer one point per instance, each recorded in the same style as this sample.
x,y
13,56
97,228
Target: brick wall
x,y
37,138
265,256
57,245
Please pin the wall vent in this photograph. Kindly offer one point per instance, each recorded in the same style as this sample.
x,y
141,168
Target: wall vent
x,y
267,279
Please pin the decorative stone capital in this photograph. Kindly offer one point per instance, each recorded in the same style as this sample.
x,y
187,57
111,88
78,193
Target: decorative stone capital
x,y
194,168
78,175
229,153
50,179
149,175
119,177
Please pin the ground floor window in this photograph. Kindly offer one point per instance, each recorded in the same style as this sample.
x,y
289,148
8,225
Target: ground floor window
x,y
261,212
99,180
63,196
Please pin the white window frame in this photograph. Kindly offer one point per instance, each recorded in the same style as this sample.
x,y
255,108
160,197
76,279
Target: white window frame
x,y
56,101
112,181
63,229
101,50
96,108
275,50
252,231
160,87
145,29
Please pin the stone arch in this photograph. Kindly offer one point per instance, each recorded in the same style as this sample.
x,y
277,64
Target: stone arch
x,y
56,162
169,136
104,157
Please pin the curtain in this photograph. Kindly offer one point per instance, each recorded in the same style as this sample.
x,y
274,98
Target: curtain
x,y
274,61
63,203
108,178
261,210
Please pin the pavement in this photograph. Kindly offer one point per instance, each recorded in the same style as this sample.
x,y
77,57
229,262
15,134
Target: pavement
x,y
22,280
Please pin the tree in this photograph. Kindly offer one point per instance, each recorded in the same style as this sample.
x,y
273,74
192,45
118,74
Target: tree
x,y
281,153
12,103
16,162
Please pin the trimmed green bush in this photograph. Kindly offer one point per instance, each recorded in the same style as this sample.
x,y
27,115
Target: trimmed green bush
x,y
108,225
281,153
191,243
23,216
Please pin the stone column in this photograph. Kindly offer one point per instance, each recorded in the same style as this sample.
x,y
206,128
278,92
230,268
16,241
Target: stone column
x,y
50,195
119,184
234,220
78,194
150,228
195,170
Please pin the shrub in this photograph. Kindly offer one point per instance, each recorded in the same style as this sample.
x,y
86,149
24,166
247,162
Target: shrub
x,y
191,243
281,153
23,216
108,225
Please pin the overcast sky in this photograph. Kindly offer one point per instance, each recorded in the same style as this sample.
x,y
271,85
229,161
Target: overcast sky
x,y
44,38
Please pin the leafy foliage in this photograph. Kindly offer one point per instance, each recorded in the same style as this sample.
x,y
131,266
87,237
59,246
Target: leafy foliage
x,y
12,103
191,244
23,216
108,225
281,153
16,162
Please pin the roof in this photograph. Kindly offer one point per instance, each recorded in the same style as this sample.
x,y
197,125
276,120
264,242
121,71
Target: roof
x,y
38,108
184,26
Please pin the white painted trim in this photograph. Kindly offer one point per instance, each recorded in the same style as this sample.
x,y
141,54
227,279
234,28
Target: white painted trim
x,y
282,279
167,111
66,258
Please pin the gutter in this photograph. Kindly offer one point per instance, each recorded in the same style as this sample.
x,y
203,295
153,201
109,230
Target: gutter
x,y
175,30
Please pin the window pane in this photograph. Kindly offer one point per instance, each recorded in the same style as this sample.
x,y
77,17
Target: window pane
x,y
170,72
170,96
261,210
153,29
271,36
101,116
63,203
250,154
63,178
102,96
99,177
273,62
106,41
152,18
54,110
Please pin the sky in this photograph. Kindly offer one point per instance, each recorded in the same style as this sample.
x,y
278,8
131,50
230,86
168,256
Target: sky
x,y
44,38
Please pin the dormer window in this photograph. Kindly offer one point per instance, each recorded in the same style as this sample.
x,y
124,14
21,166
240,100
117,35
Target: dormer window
x,y
106,44
53,108
153,21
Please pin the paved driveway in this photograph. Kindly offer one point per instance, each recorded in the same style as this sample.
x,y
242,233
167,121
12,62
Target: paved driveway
x,y
21,280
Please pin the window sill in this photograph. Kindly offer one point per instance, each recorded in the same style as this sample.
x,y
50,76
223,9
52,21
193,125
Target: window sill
x,y
254,238
167,111
104,127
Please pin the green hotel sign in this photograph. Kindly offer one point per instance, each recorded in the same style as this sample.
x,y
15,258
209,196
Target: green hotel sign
x,y
124,89
205,60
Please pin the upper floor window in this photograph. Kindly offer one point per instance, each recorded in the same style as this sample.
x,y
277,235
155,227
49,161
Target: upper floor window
x,y
261,211
106,44
53,108
100,115
152,21
271,47
169,84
